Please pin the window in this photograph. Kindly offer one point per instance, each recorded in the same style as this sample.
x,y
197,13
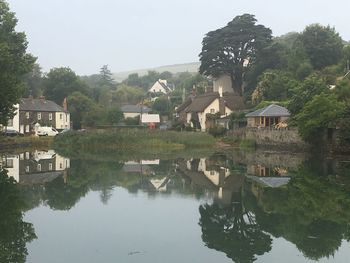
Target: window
x,y
50,166
212,111
61,166
27,115
27,128
27,169
61,116
10,123
50,116
39,167
9,163
39,116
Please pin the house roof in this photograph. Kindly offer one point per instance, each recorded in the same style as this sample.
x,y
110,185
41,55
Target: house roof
x,y
201,102
29,104
134,109
149,118
272,110
233,102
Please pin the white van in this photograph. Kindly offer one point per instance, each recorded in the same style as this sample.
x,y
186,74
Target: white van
x,y
46,131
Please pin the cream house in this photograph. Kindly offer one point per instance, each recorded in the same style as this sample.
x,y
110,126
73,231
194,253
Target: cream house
x,y
209,105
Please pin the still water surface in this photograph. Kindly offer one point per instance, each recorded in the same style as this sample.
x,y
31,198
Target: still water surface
x,y
232,207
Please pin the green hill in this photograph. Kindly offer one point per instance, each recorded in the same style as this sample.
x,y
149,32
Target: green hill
x,y
190,67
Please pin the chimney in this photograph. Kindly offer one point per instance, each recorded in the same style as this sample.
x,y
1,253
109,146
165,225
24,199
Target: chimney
x,y
65,104
220,91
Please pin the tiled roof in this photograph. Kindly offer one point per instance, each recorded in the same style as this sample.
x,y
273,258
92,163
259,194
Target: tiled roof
x,y
272,110
135,109
29,104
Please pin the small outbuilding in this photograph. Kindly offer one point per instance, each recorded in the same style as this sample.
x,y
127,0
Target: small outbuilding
x,y
151,120
269,116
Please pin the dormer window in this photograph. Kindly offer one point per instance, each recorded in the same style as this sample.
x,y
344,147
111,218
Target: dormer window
x,y
39,116
27,114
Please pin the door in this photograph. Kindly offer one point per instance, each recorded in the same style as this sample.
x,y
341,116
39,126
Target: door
x,y
21,129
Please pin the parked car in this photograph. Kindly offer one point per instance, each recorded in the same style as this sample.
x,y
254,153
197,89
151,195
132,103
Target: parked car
x,y
11,133
47,131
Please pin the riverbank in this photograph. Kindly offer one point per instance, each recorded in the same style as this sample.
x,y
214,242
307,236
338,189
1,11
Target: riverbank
x,y
131,141
13,143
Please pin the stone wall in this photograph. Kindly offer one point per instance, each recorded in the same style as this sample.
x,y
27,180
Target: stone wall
x,y
283,138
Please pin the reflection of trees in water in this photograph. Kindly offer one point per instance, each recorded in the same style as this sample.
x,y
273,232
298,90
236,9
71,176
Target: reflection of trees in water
x,y
14,233
312,212
234,231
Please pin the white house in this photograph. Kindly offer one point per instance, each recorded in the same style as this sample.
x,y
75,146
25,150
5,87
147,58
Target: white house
x,y
161,86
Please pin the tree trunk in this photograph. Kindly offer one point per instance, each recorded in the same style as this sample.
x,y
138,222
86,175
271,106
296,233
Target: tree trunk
x,y
236,81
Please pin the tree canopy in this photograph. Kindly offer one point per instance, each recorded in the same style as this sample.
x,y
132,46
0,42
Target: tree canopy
x,y
233,49
59,83
322,44
15,62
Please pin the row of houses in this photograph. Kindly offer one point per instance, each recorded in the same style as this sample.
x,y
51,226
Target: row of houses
x,y
30,112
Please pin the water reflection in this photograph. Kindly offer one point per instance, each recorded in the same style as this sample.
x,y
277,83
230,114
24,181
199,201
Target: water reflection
x,y
248,199
14,232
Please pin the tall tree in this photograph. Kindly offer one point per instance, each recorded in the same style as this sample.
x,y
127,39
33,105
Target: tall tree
x,y
60,83
106,77
34,82
322,44
233,49
15,62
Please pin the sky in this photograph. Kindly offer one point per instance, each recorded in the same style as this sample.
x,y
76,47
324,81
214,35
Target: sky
x,y
137,34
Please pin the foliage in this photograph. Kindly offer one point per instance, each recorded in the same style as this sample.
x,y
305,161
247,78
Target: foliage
x,y
59,83
14,62
79,106
323,45
162,105
33,82
317,115
274,85
127,95
226,50
311,86
217,131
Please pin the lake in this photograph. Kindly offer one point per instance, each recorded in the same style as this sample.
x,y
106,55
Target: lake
x,y
235,206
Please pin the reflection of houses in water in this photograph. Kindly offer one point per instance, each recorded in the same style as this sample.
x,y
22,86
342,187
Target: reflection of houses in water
x,y
143,167
262,170
35,168
212,176
148,177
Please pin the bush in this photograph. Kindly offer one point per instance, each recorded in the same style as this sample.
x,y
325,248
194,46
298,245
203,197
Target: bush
x,y
217,131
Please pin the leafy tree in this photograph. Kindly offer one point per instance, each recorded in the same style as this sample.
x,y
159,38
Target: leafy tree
x,y
323,45
59,83
79,106
317,115
226,50
114,116
15,62
161,105
126,94
311,86
274,85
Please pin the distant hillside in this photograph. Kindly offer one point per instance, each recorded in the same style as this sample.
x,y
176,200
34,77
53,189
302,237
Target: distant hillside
x,y
190,67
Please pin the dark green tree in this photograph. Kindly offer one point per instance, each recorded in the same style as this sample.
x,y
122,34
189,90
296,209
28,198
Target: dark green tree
x,y
106,77
59,83
233,49
15,62
322,44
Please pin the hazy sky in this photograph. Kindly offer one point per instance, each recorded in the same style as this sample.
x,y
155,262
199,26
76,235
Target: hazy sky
x,y
134,34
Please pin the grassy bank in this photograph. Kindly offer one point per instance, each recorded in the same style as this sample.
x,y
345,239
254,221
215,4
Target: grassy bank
x,y
131,141
13,143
